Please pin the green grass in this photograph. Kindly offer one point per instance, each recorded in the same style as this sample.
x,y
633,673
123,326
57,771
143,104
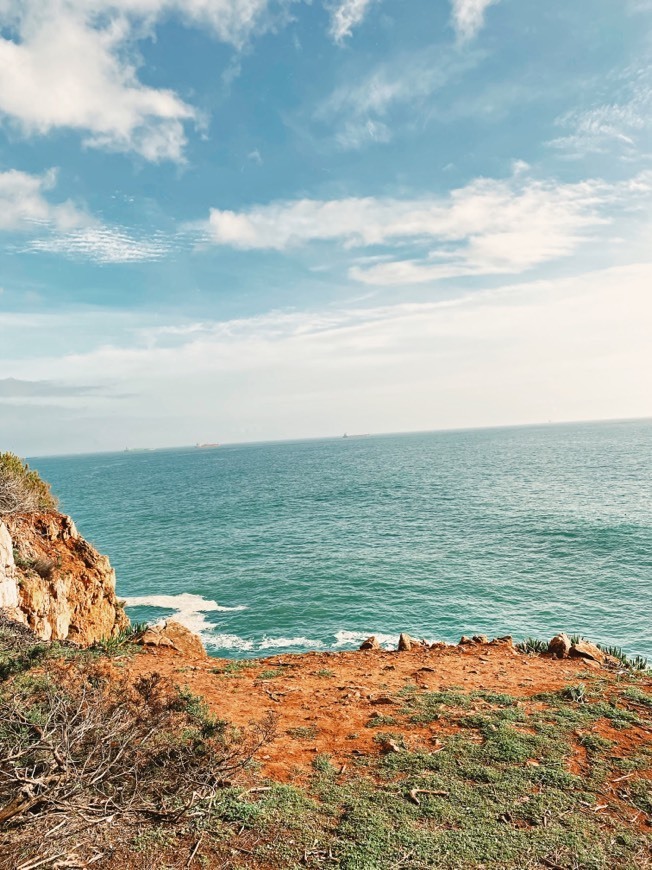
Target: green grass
x,y
235,668
270,674
498,794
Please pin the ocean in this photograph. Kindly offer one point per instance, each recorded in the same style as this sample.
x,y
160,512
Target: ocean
x,y
294,546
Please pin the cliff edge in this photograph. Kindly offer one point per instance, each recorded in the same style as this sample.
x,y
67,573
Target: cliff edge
x,y
54,581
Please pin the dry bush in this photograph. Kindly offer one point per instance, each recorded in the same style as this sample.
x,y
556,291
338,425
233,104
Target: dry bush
x,y
21,488
84,755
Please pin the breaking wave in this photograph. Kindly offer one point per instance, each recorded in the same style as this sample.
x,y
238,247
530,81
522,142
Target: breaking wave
x,y
187,609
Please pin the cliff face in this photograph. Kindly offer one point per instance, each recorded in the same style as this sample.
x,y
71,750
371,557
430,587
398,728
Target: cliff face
x,y
56,582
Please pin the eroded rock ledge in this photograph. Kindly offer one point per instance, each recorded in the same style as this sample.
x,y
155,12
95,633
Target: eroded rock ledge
x,y
54,581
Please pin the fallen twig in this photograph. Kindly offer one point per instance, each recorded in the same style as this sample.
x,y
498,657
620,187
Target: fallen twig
x,y
417,791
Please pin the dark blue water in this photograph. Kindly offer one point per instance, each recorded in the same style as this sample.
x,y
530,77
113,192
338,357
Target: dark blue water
x,y
318,543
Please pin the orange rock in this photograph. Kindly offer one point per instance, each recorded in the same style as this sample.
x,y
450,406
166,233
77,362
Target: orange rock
x,y
560,646
65,588
173,635
582,649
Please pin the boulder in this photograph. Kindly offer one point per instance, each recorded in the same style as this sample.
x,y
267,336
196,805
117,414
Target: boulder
x,y
173,635
559,646
582,649
407,642
370,643
464,640
480,638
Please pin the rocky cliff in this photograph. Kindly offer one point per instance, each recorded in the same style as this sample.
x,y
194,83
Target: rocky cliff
x,y
56,582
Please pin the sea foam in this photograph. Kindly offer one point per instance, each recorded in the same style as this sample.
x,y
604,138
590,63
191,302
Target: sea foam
x,y
187,609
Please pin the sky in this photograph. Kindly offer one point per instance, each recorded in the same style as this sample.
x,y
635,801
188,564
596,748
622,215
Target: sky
x,y
242,220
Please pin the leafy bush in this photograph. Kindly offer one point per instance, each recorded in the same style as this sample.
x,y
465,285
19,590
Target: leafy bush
x,y
21,488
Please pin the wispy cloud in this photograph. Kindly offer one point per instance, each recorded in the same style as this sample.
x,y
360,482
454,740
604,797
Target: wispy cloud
x,y
104,245
561,348
28,208
15,388
469,15
487,227
346,15
365,109
620,125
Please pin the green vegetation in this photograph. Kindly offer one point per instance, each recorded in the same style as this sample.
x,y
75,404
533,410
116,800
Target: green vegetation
x,y
532,645
304,732
636,663
270,674
502,792
21,489
456,780
235,668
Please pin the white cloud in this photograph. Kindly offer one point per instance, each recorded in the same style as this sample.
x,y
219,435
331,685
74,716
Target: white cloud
x,y
24,205
72,64
346,15
556,349
487,227
468,16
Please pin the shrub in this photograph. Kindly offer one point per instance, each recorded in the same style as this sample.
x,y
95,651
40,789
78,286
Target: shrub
x,y
532,645
636,663
21,488
83,751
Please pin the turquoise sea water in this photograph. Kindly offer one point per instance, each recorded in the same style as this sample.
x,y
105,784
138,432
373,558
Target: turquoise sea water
x,y
317,544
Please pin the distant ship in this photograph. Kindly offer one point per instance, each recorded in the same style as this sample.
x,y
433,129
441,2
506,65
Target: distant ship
x,y
206,446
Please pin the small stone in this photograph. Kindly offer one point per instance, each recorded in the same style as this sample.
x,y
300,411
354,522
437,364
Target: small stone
x,y
559,646
507,639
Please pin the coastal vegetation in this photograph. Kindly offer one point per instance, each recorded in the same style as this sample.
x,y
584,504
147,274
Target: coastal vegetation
x,y
107,762
22,490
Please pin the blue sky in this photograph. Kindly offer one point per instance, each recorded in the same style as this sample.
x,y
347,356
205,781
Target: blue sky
x,y
248,219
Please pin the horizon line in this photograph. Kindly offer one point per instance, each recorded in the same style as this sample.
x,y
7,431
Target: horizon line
x,y
295,440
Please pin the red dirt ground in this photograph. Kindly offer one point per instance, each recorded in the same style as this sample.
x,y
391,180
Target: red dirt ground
x,y
336,694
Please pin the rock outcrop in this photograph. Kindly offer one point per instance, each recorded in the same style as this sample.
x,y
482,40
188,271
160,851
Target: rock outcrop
x,y
172,635
55,582
8,584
